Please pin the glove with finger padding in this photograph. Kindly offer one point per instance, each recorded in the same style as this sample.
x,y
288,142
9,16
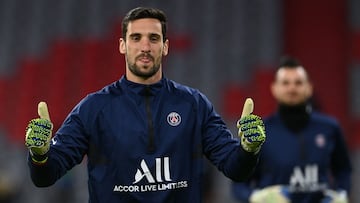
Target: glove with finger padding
x,y
38,136
270,194
335,196
251,132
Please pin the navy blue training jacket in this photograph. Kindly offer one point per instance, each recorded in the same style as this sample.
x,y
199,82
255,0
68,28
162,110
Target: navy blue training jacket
x,y
144,143
307,162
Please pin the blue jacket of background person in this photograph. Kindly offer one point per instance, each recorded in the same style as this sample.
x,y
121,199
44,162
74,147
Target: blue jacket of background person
x,y
306,163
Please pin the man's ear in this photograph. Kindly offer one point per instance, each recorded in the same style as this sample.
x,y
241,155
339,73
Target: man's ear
x,y
273,89
122,47
166,48
310,89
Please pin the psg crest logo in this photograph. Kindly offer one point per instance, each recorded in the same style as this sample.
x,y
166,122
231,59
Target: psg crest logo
x,y
174,119
320,140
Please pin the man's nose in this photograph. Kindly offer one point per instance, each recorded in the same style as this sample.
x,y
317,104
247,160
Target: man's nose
x,y
145,45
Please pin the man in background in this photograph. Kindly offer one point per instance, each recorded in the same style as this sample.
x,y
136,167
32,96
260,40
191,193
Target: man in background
x,y
305,158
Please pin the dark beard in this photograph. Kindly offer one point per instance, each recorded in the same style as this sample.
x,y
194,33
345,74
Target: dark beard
x,y
136,71
145,75
295,117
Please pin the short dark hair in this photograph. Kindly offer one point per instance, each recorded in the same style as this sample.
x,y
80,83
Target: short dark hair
x,y
143,12
289,61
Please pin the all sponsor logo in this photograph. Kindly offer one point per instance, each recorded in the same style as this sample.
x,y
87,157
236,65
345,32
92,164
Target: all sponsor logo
x,y
144,171
157,181
306,180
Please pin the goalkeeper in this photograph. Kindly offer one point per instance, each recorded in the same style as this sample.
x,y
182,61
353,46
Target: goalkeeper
x,y
305,158
144,136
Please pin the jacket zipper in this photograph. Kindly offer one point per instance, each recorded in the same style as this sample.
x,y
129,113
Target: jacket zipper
x,y
151,144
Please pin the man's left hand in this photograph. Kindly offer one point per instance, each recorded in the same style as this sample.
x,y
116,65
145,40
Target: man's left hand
x,y
251,132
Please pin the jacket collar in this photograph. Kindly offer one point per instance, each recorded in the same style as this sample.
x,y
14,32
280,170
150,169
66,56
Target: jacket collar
x,y
142,89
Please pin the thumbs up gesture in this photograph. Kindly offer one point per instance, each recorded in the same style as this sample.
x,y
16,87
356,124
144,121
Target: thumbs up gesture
x,y
38,132
251,128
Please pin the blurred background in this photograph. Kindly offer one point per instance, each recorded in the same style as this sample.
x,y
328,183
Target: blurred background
x,y
59,51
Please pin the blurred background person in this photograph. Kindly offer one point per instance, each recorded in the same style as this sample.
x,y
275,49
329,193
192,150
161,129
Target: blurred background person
x,y
305,158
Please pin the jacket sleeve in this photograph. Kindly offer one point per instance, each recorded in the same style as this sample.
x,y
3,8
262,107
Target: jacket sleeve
x,y
44,175
340,162
67,149
221,148
241,191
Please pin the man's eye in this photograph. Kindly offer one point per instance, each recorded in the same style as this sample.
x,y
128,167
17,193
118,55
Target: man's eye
x,y
154,38
298,83
135,38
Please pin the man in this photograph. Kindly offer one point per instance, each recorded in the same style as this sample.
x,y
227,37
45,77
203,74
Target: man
x,y
144,135
305,157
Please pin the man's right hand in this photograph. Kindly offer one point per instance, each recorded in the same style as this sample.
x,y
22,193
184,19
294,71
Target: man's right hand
x,y
38,133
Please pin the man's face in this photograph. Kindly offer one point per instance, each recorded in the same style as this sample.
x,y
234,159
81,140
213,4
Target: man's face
x,y
291,86
143,49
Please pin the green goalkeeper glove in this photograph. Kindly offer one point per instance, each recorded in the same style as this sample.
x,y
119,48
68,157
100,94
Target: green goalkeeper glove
x,y
271,194
251,129
38,134
333,196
